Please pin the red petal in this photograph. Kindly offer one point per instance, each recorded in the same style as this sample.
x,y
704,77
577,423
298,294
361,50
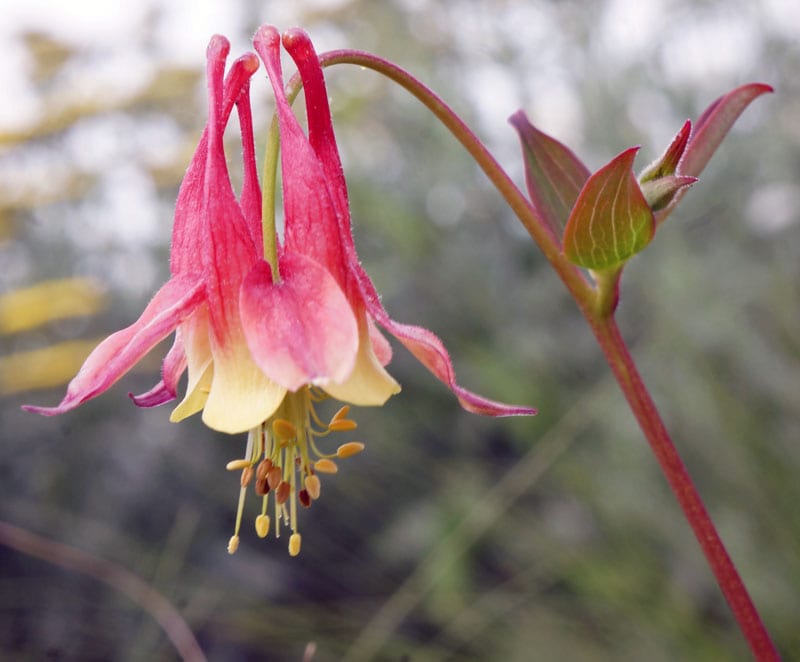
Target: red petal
x,y
430,351
186,238
171,371
302,329
422,343
320,127
311,225
118,353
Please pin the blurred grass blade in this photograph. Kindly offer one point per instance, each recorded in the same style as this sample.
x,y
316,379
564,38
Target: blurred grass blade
x,y
31,307
43,368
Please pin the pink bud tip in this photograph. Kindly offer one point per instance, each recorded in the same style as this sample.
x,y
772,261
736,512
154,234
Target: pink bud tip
x,y
266,36
218,48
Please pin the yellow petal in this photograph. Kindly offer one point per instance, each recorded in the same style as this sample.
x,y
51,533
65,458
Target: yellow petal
x,y
369,384
194,334
196,392
241,396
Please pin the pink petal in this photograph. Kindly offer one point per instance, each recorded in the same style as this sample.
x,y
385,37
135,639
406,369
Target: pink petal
x,y
320,128
430,351
118,353
381,346
301,330
225,242
422,343
186,241
312,224
171,371
250,200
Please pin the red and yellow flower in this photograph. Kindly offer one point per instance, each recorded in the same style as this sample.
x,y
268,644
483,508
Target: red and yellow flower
x,y
265,340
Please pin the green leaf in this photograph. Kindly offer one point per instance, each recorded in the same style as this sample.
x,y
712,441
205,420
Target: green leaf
x,y
611,220
553,174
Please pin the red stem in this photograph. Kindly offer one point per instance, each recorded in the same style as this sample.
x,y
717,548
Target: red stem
x,y
597,306
643,407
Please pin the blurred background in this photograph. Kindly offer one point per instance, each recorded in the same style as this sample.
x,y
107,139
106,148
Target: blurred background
x,y
452,537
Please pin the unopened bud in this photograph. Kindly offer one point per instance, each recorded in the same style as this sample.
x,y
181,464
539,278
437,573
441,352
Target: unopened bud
x,y
660,192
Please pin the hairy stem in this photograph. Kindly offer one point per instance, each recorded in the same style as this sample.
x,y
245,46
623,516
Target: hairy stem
x,y
597,306
643,407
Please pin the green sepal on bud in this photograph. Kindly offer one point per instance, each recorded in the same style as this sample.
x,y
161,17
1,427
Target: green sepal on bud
x,y
611,220
660,192
667,163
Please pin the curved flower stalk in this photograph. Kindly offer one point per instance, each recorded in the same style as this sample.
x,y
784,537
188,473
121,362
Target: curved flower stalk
x,y
264,343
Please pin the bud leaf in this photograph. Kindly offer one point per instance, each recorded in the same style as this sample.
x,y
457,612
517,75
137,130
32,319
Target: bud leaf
x,y
611,220
553,174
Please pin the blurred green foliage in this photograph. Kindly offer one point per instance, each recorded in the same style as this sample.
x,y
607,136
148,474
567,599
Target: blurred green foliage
x,y
452,537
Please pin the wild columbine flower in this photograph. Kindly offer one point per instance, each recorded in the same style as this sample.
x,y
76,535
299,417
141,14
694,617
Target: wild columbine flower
x,y
265,342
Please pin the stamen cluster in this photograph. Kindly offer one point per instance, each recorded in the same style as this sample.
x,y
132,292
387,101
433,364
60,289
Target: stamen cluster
x,y
283,459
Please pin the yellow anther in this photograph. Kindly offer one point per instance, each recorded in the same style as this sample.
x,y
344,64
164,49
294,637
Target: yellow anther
x,y
235,465
312,486
294,544
233,544
283,429
341,414
349,449
326,466
342,425
262,526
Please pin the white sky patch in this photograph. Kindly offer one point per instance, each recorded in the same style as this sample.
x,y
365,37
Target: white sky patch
x,y
628,28
723,46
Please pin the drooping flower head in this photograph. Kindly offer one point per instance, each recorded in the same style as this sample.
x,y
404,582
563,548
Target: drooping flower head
x,y
265,343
